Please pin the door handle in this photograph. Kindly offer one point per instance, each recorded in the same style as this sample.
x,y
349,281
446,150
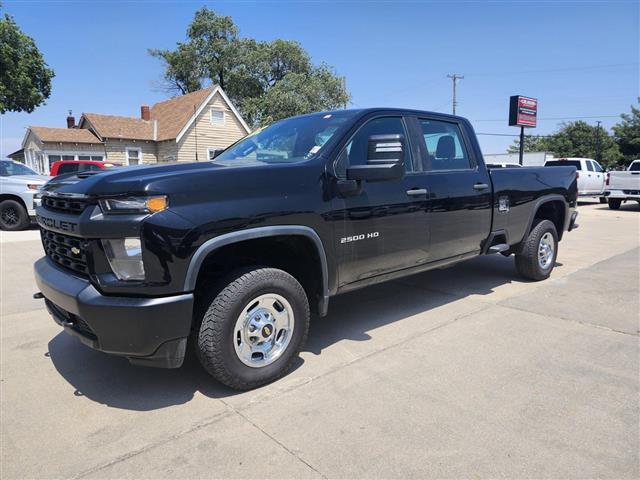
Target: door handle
x,y
480,186
417,191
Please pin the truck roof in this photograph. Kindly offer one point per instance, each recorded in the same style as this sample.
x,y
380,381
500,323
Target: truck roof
x,y
365,111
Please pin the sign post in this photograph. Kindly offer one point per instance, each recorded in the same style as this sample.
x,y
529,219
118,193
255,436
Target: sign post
x,y
523,113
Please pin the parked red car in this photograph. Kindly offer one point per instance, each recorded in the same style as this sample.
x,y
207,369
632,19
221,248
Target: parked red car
x,y
71,166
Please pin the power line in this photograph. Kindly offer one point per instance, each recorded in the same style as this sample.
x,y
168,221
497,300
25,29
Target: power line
x,y
551,70
513,135
550,118
454,78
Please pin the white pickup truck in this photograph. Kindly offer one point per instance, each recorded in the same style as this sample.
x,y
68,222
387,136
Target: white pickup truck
x,y
623,186
19,194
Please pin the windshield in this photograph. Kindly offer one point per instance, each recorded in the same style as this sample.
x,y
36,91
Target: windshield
x,y
287,141
8,168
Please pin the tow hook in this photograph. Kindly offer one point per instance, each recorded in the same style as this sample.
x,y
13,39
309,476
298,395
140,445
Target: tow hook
x,y
38,295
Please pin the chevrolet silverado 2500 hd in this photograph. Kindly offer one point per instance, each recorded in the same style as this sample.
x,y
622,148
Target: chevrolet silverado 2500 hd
x,y
235,253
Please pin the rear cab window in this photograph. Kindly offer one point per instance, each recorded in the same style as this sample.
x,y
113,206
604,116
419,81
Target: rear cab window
x,y
67,168
564,163
445,147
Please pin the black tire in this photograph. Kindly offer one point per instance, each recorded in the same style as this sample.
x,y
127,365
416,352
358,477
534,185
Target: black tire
x,y
13,216
527,262
614,203
215,342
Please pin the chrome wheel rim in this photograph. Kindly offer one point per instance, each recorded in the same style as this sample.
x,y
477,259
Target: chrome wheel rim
x,y
263,330
546,249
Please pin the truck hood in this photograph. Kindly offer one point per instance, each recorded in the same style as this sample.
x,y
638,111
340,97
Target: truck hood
x,y
127,180
161,179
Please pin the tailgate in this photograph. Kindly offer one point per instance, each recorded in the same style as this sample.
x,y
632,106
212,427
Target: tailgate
x,y
624,181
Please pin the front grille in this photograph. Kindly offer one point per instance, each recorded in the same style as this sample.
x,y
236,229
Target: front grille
x,y
67,251
631,192
69,319
65,205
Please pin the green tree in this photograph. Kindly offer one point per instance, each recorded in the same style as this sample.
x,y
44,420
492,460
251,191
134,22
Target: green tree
x,y
575,139
267,81
25,78
627,134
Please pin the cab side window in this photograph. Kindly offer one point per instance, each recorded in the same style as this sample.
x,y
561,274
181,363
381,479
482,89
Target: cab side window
x,y
597,166
356,151
590,166
445,146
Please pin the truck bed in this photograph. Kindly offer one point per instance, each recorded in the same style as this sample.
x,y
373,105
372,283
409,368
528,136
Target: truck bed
x,y
522,188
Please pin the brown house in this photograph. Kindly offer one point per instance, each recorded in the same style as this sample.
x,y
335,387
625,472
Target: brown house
x,y
186,128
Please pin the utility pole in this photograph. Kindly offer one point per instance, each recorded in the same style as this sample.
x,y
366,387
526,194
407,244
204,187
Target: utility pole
x,y
454,78
598,141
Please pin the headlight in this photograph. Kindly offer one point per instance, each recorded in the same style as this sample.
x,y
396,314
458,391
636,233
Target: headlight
x,y
33,186
135,204
125,258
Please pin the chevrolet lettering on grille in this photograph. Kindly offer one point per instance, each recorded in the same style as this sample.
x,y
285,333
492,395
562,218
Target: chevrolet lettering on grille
x,y
63,225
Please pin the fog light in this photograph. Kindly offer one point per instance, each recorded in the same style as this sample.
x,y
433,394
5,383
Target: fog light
x,y
125,258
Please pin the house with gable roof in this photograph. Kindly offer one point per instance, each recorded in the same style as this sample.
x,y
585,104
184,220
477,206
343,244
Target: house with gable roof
x,y
185,128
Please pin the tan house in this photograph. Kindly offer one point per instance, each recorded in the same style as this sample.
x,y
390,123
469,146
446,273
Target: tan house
x,y
186,129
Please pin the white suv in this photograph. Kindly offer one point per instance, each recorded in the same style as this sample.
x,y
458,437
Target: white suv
x,y
589,172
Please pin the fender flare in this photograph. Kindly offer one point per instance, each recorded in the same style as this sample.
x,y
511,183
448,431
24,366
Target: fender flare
x,y
541,201
259,232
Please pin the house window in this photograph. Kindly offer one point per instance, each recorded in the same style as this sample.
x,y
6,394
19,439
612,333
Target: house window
x,y
211,152
134,156
217,116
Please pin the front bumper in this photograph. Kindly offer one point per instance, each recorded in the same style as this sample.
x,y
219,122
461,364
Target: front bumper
x,y
148,331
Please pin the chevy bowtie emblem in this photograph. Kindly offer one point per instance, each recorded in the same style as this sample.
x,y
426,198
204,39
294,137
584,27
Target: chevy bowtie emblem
x,y
75,250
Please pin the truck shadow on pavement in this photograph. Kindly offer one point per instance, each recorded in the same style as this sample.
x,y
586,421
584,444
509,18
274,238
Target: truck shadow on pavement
x,y
112,381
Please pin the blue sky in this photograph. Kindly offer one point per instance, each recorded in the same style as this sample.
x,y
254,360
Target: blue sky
x,y
579,58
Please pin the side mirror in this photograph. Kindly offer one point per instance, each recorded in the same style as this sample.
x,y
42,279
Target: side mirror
x,y
385,155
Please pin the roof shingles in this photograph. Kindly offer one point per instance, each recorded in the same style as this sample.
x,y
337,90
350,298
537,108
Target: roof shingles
x,y
65,135
114,126
172,115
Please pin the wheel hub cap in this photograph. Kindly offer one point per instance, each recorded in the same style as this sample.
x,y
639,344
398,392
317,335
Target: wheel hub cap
x,y
263,330
546,249
10,216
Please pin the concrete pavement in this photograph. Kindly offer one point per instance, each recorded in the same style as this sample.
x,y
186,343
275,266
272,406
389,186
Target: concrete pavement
x,y
463,372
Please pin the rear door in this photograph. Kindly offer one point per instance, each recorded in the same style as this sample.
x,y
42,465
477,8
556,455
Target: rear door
x,y
459,189
382,227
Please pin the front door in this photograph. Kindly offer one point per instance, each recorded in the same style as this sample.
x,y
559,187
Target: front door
x,y
459,189
383,227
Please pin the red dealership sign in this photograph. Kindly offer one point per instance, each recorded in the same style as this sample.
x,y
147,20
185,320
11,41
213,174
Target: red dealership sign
x,y
523,111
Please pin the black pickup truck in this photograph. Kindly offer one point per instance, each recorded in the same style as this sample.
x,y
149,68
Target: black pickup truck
x,y
238,252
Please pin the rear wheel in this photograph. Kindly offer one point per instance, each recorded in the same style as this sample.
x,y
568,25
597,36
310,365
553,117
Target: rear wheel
x,y
614,203
538,253
13,216
254,329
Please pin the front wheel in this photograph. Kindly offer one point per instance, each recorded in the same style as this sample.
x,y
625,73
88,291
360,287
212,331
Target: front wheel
x,y
254,328
538,253
13,216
